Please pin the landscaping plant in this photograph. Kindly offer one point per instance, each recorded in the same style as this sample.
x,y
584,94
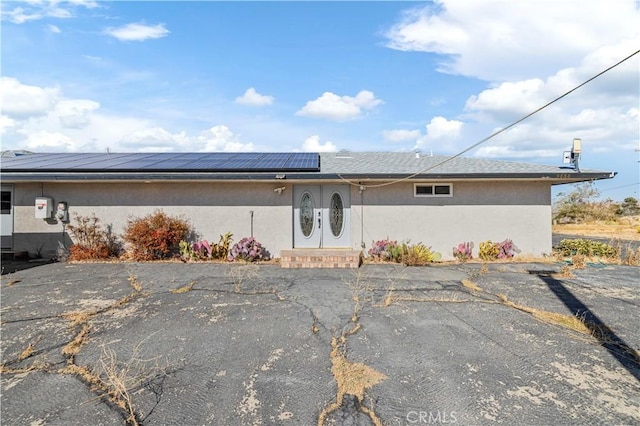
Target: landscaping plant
x,y
247,249
91,241
488,250
463,252
155,236
590,248
384,250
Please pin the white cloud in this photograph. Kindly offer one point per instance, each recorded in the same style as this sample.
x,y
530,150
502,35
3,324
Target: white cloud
x,y
401,135
6,123
339,108
253,98
42,119
221,138
75,113
54,29
499,40
49,141
155,139
138,32
442,131
603,113
34,10
21,100
312,144
440,127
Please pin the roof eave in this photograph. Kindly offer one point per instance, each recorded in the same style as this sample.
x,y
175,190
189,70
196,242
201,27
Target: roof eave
x,y
553,178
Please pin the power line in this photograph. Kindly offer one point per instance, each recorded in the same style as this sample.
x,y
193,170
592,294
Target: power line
x,y
620,187
495,133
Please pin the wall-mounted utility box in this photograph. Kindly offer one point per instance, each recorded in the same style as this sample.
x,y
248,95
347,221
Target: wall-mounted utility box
x,y
44,208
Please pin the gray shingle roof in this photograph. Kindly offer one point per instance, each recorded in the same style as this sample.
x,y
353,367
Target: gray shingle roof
x,y
345,165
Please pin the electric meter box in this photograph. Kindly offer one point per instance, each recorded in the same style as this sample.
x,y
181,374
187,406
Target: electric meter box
x,y
44,208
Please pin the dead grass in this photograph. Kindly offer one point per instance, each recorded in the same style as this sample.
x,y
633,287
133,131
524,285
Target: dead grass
x,y
625,228
29,350
239,274
572,322
471,285
183,289
72,348
352,378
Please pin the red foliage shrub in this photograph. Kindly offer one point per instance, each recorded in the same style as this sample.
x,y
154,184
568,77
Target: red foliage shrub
x,y
90,240
155,236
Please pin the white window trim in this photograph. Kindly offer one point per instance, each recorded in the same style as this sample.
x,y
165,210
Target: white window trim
x,y
433,184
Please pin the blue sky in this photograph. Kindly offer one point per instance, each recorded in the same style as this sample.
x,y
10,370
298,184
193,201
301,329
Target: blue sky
x,y
88,75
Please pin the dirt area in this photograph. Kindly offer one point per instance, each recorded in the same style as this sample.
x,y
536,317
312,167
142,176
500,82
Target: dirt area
x,y
626,228
222,344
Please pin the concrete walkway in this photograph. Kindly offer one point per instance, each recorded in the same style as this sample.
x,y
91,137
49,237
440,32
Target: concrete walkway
x,y
219,344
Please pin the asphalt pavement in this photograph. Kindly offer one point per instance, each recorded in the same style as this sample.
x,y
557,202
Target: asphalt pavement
x,y
226,344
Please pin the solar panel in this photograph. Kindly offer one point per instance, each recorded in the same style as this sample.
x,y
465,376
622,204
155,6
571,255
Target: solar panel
x,y
178,162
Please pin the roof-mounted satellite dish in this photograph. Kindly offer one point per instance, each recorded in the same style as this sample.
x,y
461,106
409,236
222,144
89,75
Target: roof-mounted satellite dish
x,y
573,156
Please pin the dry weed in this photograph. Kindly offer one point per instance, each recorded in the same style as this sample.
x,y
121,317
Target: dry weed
x,y
352,379
135,284
239,274
471,285
183,289
27,352
73,347
572,322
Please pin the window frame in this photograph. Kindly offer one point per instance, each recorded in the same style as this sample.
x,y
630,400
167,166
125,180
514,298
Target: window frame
x,y
433,186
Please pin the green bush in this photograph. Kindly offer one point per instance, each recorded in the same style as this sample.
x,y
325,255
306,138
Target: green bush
x,y
590,248
155,236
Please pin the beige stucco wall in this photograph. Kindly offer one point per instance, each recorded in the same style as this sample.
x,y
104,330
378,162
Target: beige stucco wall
x,y
212,208
478,211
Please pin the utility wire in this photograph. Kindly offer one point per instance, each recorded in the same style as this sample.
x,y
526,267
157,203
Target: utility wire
x,y
495,133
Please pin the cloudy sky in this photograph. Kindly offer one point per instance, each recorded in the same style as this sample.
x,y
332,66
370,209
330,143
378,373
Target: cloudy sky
x,y
439,76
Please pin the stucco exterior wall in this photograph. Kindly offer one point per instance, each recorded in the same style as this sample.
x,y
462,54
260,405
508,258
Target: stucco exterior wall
x,y
477,211
212,208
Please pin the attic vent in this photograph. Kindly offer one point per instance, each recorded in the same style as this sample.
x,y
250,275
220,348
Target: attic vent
x,y
343,154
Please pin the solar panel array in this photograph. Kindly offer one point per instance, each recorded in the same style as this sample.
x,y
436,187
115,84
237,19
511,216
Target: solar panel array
x,y
164,162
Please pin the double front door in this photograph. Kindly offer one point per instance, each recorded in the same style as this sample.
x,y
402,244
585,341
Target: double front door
x,y
321,216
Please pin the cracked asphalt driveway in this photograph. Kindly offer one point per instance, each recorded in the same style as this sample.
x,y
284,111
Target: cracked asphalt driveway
x,y
221,344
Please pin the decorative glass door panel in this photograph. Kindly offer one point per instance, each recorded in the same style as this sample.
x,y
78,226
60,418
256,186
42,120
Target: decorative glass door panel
x,y
321,216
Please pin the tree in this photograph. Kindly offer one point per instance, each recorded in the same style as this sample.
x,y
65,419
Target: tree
x,y
628,207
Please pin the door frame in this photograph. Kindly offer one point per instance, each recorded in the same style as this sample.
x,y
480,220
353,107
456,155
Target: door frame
x,y
6,219
322,235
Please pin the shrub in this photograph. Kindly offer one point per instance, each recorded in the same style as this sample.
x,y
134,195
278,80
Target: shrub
x,y
418,255
155,236
590,248
222,248
507,249
410,255
488,250
90,240
463,252
202,250
247,249
384,250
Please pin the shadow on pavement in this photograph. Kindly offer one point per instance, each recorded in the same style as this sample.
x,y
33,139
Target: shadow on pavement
x,y
11,266
608,339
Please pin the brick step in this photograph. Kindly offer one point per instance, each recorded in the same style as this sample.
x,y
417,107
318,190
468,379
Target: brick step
x,y
319,258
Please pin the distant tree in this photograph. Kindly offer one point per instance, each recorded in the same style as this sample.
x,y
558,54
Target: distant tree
x,y
581,205
628,207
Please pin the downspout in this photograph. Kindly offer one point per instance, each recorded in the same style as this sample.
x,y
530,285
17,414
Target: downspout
x,y
362,188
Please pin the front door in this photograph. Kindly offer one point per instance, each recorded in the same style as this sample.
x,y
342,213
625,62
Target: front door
x,y
6,217
321,216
